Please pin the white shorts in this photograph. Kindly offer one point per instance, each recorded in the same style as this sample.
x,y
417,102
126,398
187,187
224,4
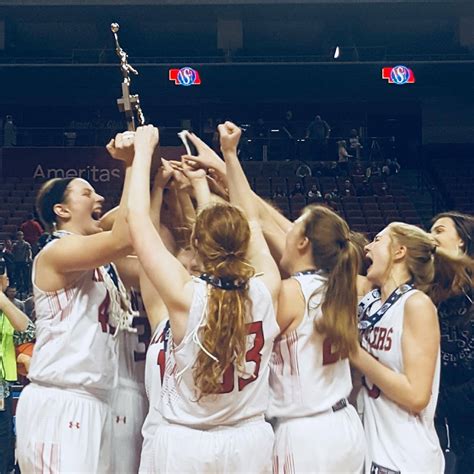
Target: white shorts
x,y
62,431
152,420
242,448
331,442
129,407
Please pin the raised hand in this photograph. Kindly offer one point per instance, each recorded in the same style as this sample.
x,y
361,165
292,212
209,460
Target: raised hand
x,y
146,139
191,173
163,174
229,137
122,147
206,157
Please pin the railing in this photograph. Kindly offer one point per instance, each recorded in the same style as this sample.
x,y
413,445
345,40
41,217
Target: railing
x,y
107,57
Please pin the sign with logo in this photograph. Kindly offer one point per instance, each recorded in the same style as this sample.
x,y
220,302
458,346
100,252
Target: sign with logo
x,y
399,75
186,76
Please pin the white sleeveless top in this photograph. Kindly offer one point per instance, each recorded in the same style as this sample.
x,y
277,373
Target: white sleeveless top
x,y
397,439
75,347
244,395
306,377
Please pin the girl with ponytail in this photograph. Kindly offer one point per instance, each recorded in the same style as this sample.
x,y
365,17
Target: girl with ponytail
x,y
400,353
316,429
215,366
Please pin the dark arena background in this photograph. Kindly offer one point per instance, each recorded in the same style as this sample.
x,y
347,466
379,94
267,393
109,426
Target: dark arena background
x,y
60,79
364,106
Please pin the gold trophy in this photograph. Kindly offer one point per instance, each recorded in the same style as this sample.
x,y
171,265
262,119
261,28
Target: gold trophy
x,y
129,104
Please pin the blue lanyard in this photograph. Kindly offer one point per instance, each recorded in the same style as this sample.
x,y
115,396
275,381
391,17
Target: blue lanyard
x,y
367,322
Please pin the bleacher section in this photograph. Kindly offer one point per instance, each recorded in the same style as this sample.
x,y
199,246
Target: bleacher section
x,y
369,213
456,182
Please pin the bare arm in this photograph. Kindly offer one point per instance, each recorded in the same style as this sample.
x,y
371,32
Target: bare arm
x,y
420,346
156,310
165,272
17,318
199,183
241,194
291,305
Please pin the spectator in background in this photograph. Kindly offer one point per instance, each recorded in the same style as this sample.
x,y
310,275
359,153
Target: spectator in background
x,y
354,143
318,132
298,190
331,200
348,189
373,170
6,254
32,231
11,295
394,166
22,257
386,169
314,194
15,329
288,124
9,132
454,233
343,157
358,170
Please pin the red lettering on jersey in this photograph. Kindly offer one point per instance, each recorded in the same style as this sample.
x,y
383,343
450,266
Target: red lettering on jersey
x,y
252,355
161,361
329,357
374,391
381,339
161,358
104,315
388,345
373,336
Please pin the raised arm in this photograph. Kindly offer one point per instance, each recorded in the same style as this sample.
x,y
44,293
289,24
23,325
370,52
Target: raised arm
x,y
199,183
241,194
165,272
420,346
155,307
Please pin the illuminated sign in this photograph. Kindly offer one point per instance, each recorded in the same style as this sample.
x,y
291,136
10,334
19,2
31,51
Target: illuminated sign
x,y
186,76
399,75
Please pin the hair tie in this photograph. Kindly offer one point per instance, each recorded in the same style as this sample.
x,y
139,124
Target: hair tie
x,y
224,283
433,249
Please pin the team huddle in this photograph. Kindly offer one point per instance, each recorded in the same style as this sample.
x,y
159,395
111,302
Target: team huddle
x,y
195,329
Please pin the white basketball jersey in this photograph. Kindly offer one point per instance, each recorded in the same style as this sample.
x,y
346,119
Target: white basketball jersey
x,y
75,347
397,439
242,396
306,376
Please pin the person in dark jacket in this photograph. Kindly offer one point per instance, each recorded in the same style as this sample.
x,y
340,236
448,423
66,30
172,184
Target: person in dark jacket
x,y
454,232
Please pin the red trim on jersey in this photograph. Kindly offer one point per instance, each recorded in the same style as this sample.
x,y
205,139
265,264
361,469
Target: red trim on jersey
x,y
292,345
